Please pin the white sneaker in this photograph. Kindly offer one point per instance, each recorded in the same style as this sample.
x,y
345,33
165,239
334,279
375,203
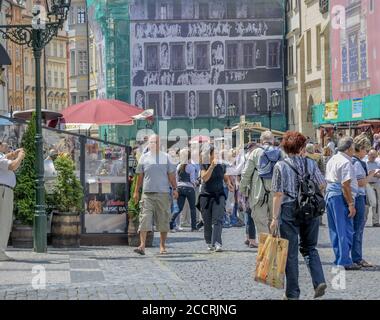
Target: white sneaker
x,y
210,247
218,247
173,230
179,229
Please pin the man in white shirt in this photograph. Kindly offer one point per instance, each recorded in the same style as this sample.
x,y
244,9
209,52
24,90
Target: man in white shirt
x,y
9,162
342,188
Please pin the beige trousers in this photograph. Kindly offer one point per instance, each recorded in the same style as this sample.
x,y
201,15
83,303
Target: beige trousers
x,y
262,215
6,216
376,205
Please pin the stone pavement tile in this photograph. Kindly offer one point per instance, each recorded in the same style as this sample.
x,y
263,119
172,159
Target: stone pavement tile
x,y
86,276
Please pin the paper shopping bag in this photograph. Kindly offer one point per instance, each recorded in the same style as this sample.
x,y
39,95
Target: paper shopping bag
x,y
271,260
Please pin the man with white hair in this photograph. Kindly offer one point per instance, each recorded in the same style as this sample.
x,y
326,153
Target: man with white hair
x,y
341,191
257,178
156,173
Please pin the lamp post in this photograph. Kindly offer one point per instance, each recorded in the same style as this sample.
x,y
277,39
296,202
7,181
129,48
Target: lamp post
x,y
275,102
47,21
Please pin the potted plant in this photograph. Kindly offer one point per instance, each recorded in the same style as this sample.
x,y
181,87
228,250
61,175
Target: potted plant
x,y
133,220
25,191
67,197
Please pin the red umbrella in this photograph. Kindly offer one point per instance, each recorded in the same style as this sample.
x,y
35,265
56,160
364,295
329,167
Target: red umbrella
x,y
112,112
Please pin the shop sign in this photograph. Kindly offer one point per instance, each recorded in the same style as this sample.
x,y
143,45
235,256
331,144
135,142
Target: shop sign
x,y
331,111
357,108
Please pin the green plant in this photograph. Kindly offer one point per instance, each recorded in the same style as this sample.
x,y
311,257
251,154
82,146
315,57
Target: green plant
x,y
133,207
25,190
67,192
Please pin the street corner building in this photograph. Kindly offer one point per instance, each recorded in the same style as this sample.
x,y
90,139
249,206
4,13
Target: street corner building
x,y
192,59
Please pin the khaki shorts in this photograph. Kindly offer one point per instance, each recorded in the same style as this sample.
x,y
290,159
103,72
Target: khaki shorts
x,y
155,208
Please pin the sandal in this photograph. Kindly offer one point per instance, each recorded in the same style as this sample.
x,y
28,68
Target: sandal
x,y
253,245
139,251
163,251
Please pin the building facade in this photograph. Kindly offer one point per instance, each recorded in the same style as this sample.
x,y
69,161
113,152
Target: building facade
x,y
308,71
78,52
198,59
56,82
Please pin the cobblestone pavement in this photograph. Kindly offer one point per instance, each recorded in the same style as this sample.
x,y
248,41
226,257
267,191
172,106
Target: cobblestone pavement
x,y
188,271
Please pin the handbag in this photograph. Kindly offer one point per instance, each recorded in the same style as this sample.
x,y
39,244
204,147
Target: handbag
x,y
271,260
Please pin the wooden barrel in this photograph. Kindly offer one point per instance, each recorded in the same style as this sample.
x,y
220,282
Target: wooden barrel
x,y
134,235
22,236
65,230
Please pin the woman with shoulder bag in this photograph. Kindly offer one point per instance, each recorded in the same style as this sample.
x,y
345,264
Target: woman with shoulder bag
x,y
301,233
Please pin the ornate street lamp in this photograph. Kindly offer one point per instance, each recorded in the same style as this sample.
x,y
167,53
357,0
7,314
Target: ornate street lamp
x,y
275,103
47,20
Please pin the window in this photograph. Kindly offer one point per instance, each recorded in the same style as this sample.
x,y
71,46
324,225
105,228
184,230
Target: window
x,y
55,46
273,55
72,63
27,106
152,58
18,86
56,84
180,109
231,9
81,15
177,57
177,10
371,6
203,11
56,107
154,102
72,16
204,104
202,57
232,55
82,62
290,61
353,54
82,99
151,9
308,50
164,12
61,52
49,79
73,99
248,51
318,39
26,65
233,97
324,6
62,80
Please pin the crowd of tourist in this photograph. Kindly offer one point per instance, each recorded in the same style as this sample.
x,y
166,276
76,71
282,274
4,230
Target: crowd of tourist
x,y
265,186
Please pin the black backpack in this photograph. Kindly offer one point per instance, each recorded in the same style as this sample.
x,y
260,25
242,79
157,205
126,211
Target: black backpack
x,y
310,203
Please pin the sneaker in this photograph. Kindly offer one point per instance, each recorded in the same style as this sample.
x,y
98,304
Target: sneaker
x,y
199,224
173,230
353,267
218,247
320,290
246,242
376,225
286,298
210,247
179,229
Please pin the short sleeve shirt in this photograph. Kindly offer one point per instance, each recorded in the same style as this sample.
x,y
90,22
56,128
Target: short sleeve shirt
x,y
7,177
215,183
286,181
155,168
360,174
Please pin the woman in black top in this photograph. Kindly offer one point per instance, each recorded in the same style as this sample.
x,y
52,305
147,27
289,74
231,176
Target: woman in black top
x,y
212,199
